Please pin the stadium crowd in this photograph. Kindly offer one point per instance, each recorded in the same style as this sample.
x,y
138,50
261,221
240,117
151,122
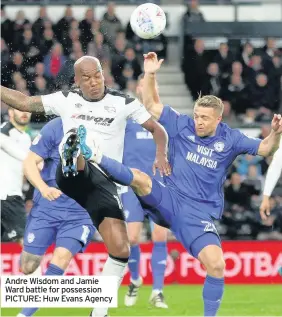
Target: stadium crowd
x,y
38,59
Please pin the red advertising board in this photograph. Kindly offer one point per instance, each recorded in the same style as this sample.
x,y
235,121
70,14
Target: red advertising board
x,y
247,262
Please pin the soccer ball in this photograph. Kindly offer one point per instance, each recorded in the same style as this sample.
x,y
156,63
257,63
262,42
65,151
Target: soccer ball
x,y
148,21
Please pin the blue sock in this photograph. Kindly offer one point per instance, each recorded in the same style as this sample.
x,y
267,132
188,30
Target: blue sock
x,y
121,173
51,270
212,294
133,262
158,264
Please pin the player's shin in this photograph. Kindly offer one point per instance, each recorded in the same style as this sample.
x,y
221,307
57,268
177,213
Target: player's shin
x,y
158,263
119,172
113,267
212,294
133,262
51,270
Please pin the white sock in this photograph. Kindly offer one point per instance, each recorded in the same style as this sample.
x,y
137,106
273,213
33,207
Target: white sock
x,y
111,268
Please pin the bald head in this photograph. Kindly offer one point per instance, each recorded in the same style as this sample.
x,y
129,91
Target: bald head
x,y
89,77
85,61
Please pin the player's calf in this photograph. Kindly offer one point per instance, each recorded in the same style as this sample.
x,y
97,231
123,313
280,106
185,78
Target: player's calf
x,y
29,263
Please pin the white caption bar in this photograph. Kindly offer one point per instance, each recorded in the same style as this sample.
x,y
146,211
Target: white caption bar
x,y
59,291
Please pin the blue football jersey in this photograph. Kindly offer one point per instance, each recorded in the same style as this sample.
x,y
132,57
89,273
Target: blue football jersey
x,y
139,148
46,145
200,165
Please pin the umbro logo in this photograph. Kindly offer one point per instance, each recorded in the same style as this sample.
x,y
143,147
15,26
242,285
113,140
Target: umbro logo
x,y
191,137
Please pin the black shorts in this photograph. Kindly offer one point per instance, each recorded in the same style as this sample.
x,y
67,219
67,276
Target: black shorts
x,y
94,191
13,219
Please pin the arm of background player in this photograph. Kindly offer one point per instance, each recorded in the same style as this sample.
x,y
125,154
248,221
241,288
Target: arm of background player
x,y
273,172
271,143
50,104
150,94
161,140
12,148
32,173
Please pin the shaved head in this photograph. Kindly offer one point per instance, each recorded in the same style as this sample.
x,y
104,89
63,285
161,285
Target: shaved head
x,y
84,61
89,77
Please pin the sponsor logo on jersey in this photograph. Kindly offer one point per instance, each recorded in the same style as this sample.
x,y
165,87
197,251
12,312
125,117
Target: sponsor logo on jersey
x,y
110,109
219,146
97,120
78,105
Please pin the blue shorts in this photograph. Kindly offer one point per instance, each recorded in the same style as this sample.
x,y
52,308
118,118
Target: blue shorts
x,y
133,210
71,230
186,218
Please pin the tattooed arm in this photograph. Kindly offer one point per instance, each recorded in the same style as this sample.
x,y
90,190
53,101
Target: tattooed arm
x,y
19,101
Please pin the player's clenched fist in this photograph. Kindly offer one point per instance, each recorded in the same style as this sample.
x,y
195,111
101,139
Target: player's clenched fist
x,y
151,63
265,208
51,193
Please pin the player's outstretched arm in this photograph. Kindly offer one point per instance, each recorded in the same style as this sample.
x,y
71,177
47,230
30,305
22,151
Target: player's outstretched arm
x,y
32,173
272,177
12,148
150,94
19,101
270,144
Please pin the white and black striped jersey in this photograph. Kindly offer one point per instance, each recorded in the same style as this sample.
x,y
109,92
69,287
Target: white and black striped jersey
x,y
11,169
106,118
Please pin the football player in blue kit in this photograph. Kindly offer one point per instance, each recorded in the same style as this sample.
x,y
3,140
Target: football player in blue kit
x,y
200,152
140,152
54,218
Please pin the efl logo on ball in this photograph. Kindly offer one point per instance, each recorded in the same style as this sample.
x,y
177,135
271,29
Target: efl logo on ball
x,y
148,21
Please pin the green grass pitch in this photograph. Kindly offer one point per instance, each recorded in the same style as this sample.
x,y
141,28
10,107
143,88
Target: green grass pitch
x,y
186,300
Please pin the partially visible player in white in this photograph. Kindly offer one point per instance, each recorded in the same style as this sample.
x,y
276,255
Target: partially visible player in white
x,y
103,112
272,177
15,143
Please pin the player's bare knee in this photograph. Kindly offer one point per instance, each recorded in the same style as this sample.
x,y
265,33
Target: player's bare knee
x,y
142,183
121,249
61,258
216,267
29,262
134,239
159,234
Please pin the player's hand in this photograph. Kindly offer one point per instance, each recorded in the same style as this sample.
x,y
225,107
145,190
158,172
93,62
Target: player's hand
x,y
276,123
151,63
264,209
51,193
161,163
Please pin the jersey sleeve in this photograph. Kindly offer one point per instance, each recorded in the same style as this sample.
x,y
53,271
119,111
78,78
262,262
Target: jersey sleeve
x,y
173,121
43,142
54,103
244,144
273,172
137,112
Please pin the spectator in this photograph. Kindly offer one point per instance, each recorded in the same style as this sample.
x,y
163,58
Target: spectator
x,y
261,97
236,93
98,49
193,13
224,59
18,26
73,36
29,48
16,65
194,67
246,55
85,27
47,42
38,26
6,26
255,68
110,25
63,25
245,161
212,83
40,86
54,61
5,54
